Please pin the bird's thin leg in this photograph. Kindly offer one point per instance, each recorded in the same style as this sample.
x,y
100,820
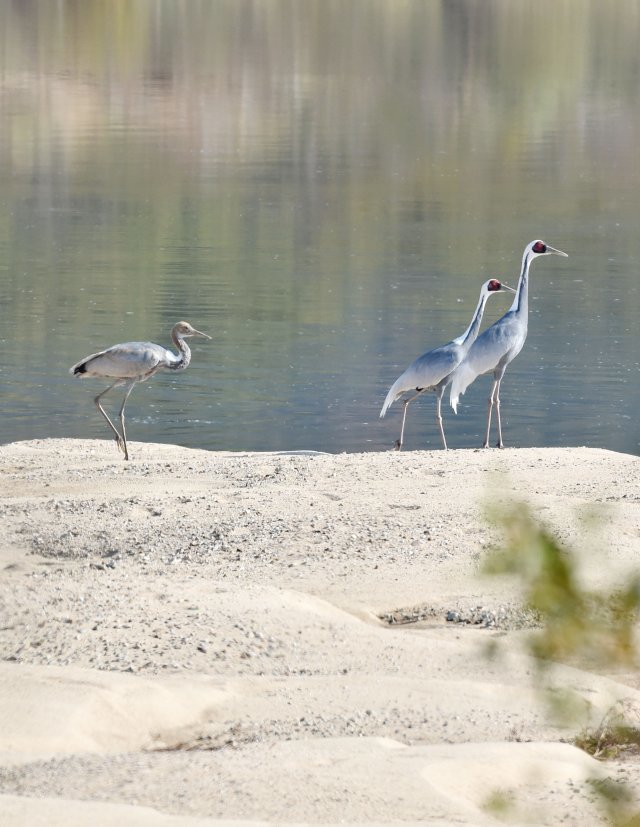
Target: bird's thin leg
x,y
124,433
405,405
400,442
119,441
491,398
439,416
499,443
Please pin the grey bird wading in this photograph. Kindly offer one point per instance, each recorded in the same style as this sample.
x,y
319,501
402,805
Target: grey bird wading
x,y
133,362
432,371
501,343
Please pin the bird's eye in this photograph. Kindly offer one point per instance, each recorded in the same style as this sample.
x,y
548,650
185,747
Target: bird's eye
x,y
539,247
494,284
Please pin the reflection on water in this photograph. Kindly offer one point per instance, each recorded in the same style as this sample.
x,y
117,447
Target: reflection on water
x,y
322,187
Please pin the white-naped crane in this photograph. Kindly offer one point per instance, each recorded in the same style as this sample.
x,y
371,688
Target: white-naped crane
x,y
132,362
432,371
499,344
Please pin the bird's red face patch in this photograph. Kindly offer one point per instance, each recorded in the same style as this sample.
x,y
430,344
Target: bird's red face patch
x,y
494,284
539,247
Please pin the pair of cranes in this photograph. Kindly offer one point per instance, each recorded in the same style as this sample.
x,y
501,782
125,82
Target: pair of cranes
x,y
457,363
460,362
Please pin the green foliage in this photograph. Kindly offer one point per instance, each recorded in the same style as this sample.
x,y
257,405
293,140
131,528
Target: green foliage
x,y
617,801
500,803
618,732
593,628
589,628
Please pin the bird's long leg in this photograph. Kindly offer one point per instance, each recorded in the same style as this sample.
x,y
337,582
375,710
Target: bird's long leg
x,y
124,433
440,392
494,387
400,442
499,443
119,441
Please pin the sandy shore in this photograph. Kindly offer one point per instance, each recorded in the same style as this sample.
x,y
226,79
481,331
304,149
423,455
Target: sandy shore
x,y
198,638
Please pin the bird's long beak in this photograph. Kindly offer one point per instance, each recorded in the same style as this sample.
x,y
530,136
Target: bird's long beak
x,y
506,287
557,252
200,333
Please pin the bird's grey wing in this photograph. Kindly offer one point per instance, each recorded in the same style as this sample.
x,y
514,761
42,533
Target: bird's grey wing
x,y
427,371
124,361
501,340
431,368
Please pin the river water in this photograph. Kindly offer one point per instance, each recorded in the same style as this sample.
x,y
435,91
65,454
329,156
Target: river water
x,y
322,186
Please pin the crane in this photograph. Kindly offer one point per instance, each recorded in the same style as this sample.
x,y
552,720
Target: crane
x,y
499,344
432,371
132,362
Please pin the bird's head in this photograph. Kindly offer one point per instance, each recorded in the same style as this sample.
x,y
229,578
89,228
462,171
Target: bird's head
x,y
184,329
539,248
493,286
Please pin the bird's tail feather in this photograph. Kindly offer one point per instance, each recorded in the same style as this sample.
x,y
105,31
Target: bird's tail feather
x,y
81,367
463,376
390,398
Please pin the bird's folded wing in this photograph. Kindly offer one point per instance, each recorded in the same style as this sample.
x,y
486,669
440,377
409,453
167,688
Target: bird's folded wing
x,y
430,369
126,360
427,371
479,360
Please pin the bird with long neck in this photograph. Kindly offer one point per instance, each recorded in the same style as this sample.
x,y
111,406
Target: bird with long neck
x,y
132,362
499,344
432,371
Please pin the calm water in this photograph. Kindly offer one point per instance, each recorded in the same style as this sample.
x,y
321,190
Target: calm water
x,y
322,186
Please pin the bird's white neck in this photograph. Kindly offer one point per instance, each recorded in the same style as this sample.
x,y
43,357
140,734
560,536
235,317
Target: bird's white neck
x,y
521,301
471,333
183,360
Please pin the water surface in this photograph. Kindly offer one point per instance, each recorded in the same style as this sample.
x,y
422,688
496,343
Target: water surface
x,y
322,186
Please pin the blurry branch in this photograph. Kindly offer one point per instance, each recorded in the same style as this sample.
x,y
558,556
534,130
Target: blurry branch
x,y
595,628
589,628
